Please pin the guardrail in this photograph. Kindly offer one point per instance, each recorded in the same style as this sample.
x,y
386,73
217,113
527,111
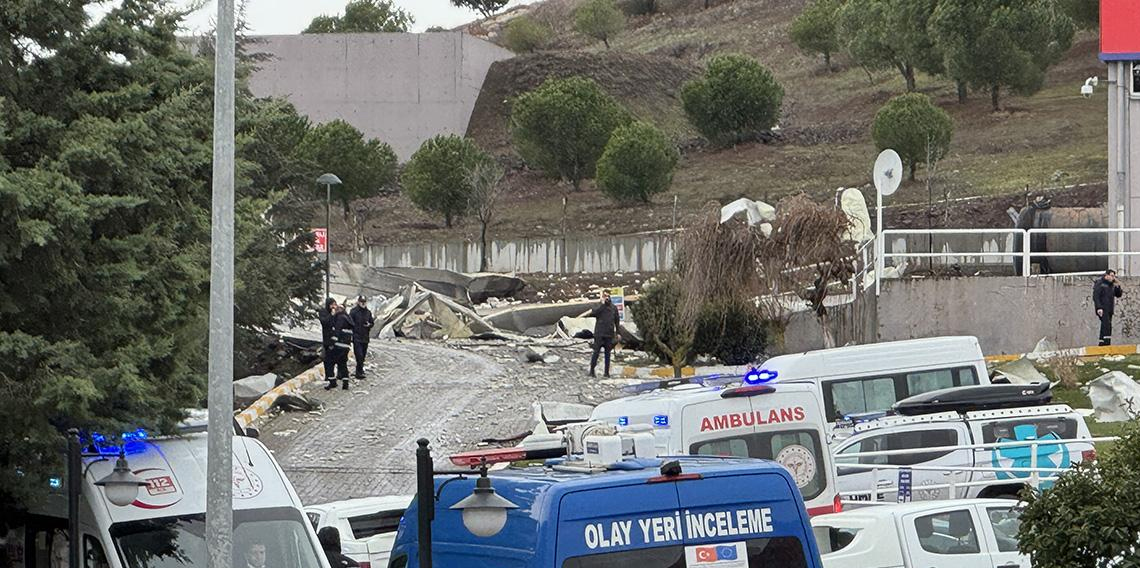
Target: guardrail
x,y
1026,254
1034,479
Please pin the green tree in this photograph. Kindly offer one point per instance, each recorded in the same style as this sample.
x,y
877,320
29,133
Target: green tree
x,y
525,35
914,127
599,19
562,127
437,178
486,8
1088,519
1084,13
658,316
891,34
814,31
364,166
105,216
991,44
363,16
736,99
733,331
638,163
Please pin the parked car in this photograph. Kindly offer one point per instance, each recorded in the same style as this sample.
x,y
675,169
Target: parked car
x,y
964,533
866,379
367,526
939,447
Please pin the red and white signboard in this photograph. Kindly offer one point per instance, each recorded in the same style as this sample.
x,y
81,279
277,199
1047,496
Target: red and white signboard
x,y
321,244
1120,30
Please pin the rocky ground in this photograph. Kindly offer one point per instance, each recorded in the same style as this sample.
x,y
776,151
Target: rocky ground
x,y
362,442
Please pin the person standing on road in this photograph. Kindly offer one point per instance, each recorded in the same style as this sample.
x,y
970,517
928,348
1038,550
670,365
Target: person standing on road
x,y
1105,292
329,538
605,330
342,329
328,339
362,322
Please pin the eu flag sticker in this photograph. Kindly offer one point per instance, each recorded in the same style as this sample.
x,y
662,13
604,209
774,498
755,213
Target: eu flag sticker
x,y
726,553
719,555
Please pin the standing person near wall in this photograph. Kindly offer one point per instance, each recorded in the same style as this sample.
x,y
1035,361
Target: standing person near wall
x,y
362,322
1105,292
605,330
342,332
328,339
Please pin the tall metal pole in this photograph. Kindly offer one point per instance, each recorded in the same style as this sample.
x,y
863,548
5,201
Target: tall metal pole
x,y
328,236
74,490
879,248
219,464
425,499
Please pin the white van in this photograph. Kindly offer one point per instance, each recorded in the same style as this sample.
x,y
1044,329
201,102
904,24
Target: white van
x,y
367,526
166,524
868,379
783,423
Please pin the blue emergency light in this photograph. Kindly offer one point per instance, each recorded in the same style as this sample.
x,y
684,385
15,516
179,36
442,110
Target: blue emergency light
x,y
623,421
55,483
661,420
128,442
759,376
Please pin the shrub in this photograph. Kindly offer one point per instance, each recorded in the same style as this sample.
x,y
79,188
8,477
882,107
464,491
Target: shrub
x,y
638,162
524,35
599,19
657,314
562,127
813,31
735,100
436,179
732,332
911,125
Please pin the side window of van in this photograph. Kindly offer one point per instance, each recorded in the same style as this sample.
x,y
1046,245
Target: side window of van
x,y
734,447
382,522
952,532
1033,428
862,395
902,441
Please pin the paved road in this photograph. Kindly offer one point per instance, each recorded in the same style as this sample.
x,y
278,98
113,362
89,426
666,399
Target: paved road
x,y
363,442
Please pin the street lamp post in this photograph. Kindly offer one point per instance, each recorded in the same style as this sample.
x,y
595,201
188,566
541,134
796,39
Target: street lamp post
x,y
484,512
328,180
121,488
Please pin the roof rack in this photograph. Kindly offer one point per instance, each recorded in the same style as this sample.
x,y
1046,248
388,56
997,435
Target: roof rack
x,y
975,398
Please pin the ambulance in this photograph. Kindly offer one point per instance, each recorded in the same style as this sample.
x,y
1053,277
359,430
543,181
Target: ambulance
x,y
674,512
742,417
165,525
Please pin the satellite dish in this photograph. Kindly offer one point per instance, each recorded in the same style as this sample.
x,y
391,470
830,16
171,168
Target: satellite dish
x,y
888,172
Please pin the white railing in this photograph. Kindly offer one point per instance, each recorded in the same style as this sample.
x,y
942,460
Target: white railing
x,y
1034,479
1026,254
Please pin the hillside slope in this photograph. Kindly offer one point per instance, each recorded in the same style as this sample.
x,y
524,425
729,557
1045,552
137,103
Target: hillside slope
x,y
1054,138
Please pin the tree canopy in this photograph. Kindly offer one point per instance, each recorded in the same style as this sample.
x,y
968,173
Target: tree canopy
x,y
914,127
363,16
486,8
891,34
599,19
438,177
992,44
736,99
813,31
638,163
105,227
563,126
524,34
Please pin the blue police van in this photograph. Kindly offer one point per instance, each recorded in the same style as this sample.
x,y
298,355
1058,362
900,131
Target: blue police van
x,y
676,512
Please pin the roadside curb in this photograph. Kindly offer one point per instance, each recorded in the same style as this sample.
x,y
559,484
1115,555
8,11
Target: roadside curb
x,y
1090,351
260,408
650,372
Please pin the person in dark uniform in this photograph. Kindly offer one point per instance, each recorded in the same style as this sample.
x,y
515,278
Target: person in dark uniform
x,y
362,321
605,330
1105,292
328,339
342,328
329,538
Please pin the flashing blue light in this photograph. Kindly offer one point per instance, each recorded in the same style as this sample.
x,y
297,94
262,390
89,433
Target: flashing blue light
x,y
623,421
661,420
136,436
55,483
132,442
759,376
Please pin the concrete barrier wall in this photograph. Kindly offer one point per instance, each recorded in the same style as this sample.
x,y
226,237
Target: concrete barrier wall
x,y
400,88
1007,314
645,252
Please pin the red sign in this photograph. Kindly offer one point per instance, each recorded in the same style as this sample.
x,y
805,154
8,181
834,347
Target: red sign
x,y
1119,25
322,241
160,485
754,418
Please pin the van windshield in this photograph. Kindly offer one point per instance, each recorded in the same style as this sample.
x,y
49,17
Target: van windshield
x,y
263,538
799,451
777,552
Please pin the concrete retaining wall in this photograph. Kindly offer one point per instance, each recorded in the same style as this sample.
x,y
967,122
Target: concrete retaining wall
x,y
400,88
645,252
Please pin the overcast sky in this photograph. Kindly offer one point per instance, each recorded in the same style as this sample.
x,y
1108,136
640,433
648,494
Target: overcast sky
x,y
269,17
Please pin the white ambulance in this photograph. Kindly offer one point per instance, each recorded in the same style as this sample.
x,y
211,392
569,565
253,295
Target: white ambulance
x,y
165,525
725,416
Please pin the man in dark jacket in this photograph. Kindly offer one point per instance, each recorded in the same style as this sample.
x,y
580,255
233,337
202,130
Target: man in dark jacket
x,y
1105,292
328,338
362,322
329,538
605,330
342,329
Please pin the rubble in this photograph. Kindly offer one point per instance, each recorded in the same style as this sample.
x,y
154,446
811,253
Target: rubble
x,y
249,389
1115,397
1021,372
755,212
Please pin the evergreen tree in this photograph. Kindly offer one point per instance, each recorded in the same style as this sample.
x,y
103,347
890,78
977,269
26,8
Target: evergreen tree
x,y
363,16
814,31
891,34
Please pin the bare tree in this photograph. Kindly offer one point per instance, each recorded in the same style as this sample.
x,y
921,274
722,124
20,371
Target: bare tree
x,y
485,179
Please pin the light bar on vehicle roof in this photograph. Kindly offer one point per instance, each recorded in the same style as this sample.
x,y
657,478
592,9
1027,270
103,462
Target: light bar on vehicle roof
x,y
703,380
490,456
